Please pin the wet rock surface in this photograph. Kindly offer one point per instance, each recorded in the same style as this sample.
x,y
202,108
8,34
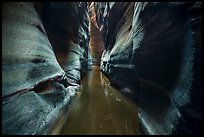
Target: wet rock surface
x,y
159,44
41,67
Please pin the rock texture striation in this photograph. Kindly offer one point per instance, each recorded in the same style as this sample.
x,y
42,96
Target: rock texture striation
x,y
153,54
44,52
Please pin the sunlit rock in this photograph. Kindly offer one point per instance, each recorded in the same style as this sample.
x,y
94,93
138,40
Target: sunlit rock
x,y
96,42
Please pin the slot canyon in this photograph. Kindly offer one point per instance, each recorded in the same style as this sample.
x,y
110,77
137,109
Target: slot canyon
x,y
102,68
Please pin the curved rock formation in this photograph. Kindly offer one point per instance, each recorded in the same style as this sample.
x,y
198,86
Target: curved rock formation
x,y
153,54
42,60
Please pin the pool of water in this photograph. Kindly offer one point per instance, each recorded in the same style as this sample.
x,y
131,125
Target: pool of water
x,y
100,109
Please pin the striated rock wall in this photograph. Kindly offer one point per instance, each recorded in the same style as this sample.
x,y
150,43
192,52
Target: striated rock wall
x,y
153,54
116,25
67,26
44,52
96,38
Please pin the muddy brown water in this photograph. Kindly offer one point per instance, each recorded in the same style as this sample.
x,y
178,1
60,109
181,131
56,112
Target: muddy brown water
x,y
100,109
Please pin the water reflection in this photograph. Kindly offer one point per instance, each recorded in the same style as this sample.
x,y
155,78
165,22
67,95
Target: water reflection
x,y
100,109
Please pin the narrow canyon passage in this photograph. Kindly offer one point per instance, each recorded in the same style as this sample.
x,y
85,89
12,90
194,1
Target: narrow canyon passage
x,y
97,109
102,68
